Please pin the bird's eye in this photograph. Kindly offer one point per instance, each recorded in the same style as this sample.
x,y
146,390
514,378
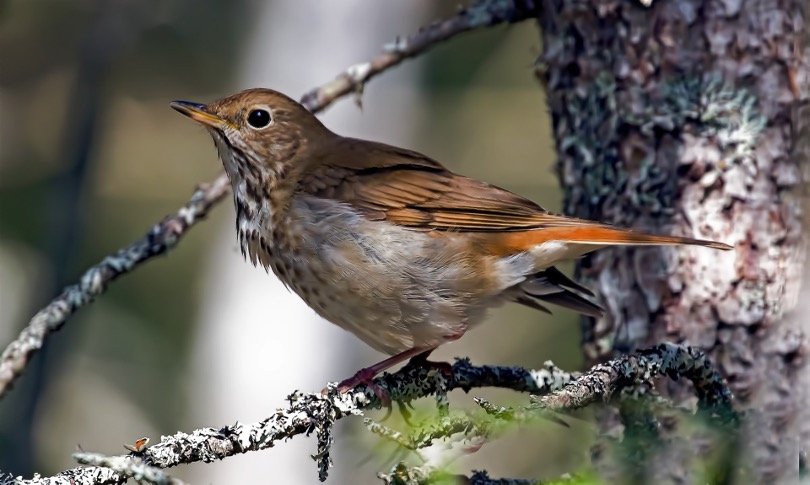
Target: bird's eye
x,y
258,118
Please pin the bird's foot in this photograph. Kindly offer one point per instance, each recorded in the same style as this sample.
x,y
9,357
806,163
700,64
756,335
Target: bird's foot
x,y
363,376
421,361
366,377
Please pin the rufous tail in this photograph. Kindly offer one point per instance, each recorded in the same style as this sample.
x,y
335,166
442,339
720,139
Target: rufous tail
x,y
602,235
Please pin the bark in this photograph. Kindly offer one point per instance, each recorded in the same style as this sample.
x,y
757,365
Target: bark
x,y
685,117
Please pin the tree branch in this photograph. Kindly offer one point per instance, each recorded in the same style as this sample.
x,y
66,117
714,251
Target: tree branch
x,y
164,235
626,379
485,13
128,467
604,381
309,413
77,476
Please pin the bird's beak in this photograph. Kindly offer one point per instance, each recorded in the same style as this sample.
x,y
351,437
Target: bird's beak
x,y
198,112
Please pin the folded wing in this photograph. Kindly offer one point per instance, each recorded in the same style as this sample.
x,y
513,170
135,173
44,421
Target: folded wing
x,y
411,190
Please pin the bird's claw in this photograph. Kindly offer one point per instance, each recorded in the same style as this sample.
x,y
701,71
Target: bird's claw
x,y
366,377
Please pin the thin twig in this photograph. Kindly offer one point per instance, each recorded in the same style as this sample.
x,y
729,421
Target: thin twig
x,y
463,426
167,233
162,237
485,13
402,474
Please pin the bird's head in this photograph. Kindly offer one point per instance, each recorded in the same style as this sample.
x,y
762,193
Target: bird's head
x,y
258,131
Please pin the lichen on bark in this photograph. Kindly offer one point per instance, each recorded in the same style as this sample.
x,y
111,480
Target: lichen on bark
x,y
683,118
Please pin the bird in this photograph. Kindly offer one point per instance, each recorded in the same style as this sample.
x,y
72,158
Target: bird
x,y
386,242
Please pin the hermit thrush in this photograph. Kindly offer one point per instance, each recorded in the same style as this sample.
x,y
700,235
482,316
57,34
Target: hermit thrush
x,y
386,242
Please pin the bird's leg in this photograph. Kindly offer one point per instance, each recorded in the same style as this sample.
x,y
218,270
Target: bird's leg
x,y
417,355
367,374
421,360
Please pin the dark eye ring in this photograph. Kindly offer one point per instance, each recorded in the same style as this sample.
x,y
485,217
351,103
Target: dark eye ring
x,y
259,118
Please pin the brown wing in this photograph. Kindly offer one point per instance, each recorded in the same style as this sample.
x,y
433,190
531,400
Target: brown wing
x,y
409,189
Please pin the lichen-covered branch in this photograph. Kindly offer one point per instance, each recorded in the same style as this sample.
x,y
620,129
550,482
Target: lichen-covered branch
x,y
630,381
604,381
77,476
164,235
128,467
103,470
627,381
309,413
161,237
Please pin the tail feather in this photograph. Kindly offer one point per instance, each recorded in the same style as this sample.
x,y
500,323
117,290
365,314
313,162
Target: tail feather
x,y
531,303
573,301
589,234
552,286
613,236
559,278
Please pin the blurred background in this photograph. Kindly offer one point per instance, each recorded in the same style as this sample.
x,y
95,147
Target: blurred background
x,y
91,156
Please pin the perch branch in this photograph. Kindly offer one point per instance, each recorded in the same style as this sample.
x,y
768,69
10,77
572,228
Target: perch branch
x,y
308,413
560,392
164,235
604,381
628,378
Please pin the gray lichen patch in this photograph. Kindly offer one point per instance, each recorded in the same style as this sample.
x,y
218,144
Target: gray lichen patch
x,y
685,118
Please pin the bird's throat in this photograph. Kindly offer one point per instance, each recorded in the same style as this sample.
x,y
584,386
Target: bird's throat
x,y
262,197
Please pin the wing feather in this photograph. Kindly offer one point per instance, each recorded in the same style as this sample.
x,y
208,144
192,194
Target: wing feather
x,y
411,190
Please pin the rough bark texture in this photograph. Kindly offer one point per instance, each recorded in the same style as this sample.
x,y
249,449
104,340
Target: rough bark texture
x,y
684,117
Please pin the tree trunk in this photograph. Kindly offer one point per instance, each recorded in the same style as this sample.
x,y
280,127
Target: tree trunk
x,y
685,117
